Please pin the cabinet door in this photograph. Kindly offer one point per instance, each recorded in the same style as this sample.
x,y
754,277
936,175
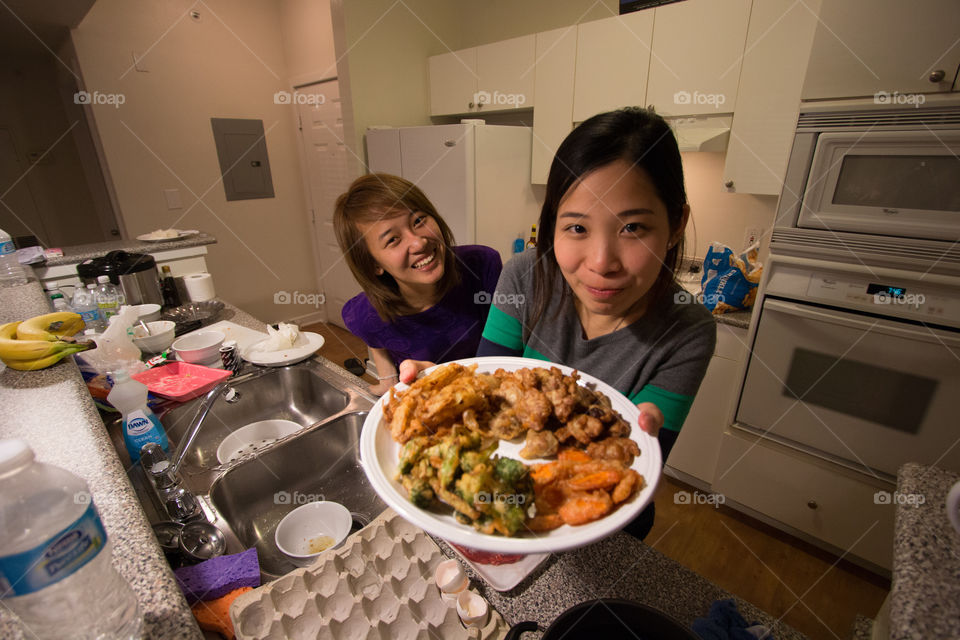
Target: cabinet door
x,y
774,63
862,47
505,72
697,49
453,82
552,118
613,56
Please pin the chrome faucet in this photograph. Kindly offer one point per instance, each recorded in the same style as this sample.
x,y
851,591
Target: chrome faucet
x,y
198,418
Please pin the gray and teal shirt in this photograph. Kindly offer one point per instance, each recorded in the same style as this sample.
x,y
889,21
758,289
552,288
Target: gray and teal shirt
x,y
660,358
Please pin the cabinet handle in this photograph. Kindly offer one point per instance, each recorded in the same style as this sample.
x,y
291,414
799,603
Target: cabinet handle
x,y
471,105
728,184
812,504
938,75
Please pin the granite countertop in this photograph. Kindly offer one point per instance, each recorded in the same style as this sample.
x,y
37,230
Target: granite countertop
x,y
739,319
52,410
81,252
616,567
925,597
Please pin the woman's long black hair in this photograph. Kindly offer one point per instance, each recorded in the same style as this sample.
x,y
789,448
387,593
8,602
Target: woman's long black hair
x,y
637,136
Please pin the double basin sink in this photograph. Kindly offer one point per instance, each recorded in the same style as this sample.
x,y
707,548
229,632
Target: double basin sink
x,y
246,498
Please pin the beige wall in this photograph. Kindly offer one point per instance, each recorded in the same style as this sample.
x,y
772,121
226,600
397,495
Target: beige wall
x,y
307,31
389,44
228,64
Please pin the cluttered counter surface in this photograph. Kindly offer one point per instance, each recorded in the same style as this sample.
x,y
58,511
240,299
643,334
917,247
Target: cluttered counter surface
x,y
79,253
925,596
52,410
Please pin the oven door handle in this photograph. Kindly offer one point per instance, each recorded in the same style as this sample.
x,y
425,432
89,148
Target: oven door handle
x,y
888,327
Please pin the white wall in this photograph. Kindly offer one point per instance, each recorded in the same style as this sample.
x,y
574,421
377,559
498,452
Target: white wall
x,y
307,31
228,64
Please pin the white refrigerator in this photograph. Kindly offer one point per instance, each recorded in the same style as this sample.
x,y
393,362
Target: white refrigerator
x,y
476,175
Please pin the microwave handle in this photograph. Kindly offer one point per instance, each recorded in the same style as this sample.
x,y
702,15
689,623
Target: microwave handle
x,y
887,327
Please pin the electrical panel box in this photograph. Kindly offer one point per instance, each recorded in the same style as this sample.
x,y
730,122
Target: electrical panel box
x,y
244,164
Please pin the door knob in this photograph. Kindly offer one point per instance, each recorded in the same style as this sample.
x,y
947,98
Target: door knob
x,y
938,75
812,504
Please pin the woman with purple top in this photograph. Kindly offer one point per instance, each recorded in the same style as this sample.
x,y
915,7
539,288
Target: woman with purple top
x,y
423,298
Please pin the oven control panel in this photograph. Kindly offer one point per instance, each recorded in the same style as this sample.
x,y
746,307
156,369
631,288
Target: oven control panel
x,y
904,299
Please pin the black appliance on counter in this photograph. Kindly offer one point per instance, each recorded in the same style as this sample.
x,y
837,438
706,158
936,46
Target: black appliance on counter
x,y
134,273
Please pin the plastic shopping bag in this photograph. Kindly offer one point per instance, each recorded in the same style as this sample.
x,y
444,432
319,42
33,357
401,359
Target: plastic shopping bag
x,y
730,281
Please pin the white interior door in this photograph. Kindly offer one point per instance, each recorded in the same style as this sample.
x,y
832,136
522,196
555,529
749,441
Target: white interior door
x,y
18,212
321,128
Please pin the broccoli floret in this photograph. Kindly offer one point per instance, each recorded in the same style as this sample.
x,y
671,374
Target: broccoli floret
x,y
510,471
420,493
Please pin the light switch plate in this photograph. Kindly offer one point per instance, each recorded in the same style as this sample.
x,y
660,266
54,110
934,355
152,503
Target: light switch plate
x,y
173,198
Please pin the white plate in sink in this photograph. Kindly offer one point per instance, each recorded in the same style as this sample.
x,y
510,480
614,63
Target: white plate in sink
x,y
253,436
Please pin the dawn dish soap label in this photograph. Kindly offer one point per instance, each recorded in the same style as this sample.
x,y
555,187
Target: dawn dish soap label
x,y
139,428
54,559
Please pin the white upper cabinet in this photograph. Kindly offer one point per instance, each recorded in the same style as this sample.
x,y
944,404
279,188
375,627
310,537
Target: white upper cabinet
x,y
613,57
697,49
491,77
552,119
764,122
453,82
864,47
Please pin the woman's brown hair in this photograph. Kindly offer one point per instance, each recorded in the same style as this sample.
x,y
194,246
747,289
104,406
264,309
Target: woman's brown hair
x,y
371,198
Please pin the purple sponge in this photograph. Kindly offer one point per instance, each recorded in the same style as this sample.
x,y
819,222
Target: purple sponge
x,y
219,576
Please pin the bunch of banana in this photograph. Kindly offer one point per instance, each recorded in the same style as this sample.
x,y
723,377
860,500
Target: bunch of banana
x,y
42,341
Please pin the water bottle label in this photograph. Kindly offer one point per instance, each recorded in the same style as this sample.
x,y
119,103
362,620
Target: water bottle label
x,y
7,247
57,558
89,316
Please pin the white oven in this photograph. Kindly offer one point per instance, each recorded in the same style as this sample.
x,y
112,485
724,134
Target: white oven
x,y
865,168
856,364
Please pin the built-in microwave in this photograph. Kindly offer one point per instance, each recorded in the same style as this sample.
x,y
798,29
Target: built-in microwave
x,y
867,166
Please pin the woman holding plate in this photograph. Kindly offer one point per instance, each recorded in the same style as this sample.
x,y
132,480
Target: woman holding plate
x,y
599,294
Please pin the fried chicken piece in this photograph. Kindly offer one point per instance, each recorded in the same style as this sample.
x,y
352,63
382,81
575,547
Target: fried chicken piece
x,y
585,428
506,425
619,449
539,444
561,390
630,484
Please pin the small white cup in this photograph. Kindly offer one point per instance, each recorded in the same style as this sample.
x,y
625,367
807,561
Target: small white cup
x,y
953,506
451,578
472,609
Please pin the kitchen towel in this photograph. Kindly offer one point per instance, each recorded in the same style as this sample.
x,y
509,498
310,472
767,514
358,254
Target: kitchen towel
x,y
199,287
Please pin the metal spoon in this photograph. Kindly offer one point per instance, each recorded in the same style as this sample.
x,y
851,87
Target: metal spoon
x,y
145,327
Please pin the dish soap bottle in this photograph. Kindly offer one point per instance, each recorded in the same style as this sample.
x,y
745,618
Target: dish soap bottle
x,y
140,426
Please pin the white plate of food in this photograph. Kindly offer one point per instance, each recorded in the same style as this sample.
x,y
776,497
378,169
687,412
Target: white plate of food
x,y
501,571
306,344
380,456
166,235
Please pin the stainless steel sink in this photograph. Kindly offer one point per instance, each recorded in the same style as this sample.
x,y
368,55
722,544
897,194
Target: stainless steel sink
x,y
322,464
246,498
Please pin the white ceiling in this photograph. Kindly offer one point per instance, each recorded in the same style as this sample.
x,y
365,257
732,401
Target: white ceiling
x,y
27,25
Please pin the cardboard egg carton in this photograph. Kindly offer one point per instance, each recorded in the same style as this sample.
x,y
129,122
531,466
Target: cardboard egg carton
x,y
378,584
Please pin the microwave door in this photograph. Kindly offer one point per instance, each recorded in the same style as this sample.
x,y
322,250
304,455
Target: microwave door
x,y
903,183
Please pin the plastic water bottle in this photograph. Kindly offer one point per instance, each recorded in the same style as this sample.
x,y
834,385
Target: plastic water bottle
x,y
55,565
85,303
108,300
140,425
11,271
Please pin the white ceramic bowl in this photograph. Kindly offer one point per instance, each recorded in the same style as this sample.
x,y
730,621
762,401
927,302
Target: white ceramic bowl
x,y
200,347
251,437
148,312
299,528
161,336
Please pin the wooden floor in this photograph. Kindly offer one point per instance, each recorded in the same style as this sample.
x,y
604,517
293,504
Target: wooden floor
x,y
789,579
